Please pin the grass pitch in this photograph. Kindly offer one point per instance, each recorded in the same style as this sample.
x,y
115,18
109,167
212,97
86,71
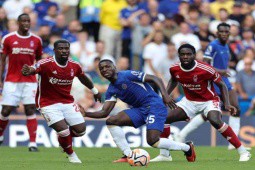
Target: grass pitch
x,y
208,158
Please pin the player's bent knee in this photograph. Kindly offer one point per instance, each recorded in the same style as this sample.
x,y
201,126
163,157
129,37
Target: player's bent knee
x,y
152,140
6,111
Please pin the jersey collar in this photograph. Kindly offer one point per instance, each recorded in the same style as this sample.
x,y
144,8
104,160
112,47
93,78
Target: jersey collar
x,y
189,69
20,36
59,64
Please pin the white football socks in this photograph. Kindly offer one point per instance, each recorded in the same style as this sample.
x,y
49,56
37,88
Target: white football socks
x,y
234,123
191,126
172,145
119,138
164,152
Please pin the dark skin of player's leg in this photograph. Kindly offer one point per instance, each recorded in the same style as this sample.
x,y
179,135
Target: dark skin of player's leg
x,y
78,129
176,115
6,110
29,109
59,126
214,118
233,100
122,119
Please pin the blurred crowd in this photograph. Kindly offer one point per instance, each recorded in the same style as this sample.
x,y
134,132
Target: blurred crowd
x,y
141,35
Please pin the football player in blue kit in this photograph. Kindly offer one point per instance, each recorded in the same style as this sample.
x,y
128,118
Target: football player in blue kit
x,y
132,87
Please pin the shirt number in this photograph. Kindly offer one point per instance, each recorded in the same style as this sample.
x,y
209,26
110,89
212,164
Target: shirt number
x,y
150,119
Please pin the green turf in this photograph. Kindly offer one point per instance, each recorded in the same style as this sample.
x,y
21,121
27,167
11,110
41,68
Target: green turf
x,y
208,158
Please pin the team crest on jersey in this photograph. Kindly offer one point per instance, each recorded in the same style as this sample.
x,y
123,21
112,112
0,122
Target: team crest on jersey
x,y
72,72
195,78
124,86
32,43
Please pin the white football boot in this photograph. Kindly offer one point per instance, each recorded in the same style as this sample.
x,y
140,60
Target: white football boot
x,y
162,158
246,156
73,158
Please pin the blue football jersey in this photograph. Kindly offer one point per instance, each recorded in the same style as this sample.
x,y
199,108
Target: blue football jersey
x,y
131,89
219,54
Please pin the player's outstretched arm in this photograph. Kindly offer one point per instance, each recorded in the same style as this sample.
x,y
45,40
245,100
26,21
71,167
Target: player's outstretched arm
x,y
171,86
106,110
88,83
159,83
27,70
225,97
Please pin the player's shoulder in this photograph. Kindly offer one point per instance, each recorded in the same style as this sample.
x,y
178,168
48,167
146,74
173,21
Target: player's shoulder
x,y
45,60
175,66
205,67
76,63
9,36
36,37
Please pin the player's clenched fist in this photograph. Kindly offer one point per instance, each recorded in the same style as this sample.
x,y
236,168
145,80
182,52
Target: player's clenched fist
x,y
26,70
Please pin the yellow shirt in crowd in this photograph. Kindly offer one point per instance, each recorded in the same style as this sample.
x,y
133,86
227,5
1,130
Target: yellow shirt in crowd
x,y
217,5
110,13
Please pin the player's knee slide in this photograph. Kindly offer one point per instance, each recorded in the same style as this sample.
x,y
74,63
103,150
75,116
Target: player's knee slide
x,y
64,133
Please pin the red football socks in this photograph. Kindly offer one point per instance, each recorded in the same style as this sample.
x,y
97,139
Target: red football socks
x,y
229,134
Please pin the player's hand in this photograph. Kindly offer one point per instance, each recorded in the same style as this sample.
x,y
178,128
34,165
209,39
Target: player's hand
x,y
25,70
82,110
169,102
98,97
231,109
226,73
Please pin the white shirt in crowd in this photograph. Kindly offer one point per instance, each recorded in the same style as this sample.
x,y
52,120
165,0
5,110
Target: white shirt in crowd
x,y
156,53
180,38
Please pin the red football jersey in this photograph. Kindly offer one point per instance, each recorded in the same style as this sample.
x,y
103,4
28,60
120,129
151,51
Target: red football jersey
x,y
20,50
55,81
197,82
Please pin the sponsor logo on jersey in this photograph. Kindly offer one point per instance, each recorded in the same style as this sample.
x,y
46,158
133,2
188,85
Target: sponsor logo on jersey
x,y
15,42
57,81
124,86
195,78
55,72
137,73
22,51
72,72
32,43
177,76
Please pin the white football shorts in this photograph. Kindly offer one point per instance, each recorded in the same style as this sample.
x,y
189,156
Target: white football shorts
x,y
192,108
59,111
14,93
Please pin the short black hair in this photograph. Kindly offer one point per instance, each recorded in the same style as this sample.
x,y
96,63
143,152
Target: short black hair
x,y
187,46
21,15
223,24
61,41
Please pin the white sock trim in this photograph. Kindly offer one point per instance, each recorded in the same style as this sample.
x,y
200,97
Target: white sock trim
x,y
223,128
64,133
31,117
4,118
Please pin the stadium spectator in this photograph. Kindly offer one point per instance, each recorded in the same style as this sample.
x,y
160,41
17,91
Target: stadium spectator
x,y
248,53
49,50
71,33
50,18
83,50
128,16
248,23
237,12
193,19
14,8
223,17
44,33
169,7
235,40
170,27
89,11
185,36
152,56
53,98
153,11
21,47
60,24
219,4
110,29
3,20
42,8
122,64
248,39
245,80
205,11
